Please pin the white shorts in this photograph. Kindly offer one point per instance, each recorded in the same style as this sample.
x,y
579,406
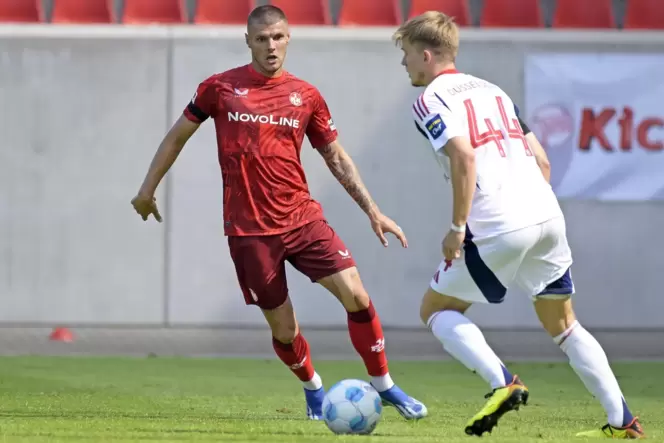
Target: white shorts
x,y
537,259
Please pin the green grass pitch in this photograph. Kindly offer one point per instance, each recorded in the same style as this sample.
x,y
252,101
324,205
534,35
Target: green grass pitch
x,y
49,399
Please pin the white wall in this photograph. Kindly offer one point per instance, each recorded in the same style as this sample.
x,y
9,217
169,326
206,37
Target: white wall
x,y
86,110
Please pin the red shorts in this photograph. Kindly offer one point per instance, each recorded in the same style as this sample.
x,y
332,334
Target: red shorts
x,y
313,249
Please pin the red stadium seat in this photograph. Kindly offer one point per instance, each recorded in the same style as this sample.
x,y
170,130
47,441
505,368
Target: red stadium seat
x,y
370,13
644,14
596,14
230,12
511,14
82,11
305,12
20,11
153,11
455,8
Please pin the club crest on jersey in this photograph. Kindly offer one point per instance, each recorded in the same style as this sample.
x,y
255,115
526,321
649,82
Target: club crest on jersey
x,y
295,99
241,92
435,126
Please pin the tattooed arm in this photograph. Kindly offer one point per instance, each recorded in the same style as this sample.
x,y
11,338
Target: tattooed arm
x,y
344,170
346,173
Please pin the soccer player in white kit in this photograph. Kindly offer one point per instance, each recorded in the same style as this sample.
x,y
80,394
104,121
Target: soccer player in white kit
x,y
507,227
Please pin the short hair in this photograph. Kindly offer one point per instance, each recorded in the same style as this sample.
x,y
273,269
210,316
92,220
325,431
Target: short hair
x,y
266,14
432,30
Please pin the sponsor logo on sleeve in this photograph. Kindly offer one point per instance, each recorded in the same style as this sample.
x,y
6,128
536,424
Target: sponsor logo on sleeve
x,y
435,126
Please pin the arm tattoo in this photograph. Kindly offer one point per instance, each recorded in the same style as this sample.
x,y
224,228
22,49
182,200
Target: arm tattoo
x,y
344,170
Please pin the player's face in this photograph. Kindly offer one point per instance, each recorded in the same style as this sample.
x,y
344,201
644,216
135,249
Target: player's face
x,y
416,61
268,45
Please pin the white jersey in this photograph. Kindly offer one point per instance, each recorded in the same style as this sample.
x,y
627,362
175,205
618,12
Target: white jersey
x,y
511,191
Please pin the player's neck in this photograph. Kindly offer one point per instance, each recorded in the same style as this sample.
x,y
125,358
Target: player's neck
x,y
268,75
442,69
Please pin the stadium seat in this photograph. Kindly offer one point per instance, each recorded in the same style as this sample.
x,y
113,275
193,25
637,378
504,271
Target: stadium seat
x,y
595,14
370,13
305,12
455,8
230,12
82,11
153,11
511,14
644,14
20,11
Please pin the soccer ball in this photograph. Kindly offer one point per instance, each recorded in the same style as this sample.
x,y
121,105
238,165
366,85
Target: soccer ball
x,y
352,407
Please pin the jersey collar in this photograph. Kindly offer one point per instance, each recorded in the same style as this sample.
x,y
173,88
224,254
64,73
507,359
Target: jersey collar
x,y
447,71
262,78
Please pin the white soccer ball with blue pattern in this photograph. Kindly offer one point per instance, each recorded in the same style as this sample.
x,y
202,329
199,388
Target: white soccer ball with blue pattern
x,y
352,407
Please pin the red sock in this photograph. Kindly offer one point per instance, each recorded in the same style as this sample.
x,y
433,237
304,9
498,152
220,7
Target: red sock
x,y
296,356
366,334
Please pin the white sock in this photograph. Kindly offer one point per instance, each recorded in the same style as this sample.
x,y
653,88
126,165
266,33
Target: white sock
x,y
314,384
382,383
465,342
589,361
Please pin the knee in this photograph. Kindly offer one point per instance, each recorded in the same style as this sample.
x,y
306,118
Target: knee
x,y
282,322
425,313
360,297
285,332
433,302
556,315
353,295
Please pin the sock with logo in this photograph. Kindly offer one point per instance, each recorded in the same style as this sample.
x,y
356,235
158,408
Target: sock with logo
x,y
463,340
366,334
589,361
296,356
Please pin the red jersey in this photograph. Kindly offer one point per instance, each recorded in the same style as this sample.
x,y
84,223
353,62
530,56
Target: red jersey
x,y
261,123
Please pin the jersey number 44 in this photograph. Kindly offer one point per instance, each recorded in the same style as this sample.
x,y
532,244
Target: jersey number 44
x,y
492,134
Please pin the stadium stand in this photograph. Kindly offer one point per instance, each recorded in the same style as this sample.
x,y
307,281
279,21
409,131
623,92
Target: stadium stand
x,y
82,11
229,12
456,8
20,11
153,11
553,14
644,14
587,14
370,13
305,12
511,14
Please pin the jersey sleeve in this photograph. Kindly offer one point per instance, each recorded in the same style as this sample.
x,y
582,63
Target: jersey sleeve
x,y
321,129
203,104
435,120
524,127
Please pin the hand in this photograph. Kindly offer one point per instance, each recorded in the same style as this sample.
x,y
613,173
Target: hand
x,y
146,205
452,245
382,224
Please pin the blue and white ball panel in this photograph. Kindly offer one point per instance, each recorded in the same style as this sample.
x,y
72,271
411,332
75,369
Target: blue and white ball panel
x,y
352,407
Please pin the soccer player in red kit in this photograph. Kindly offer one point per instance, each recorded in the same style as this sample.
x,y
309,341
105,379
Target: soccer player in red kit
x,y
262,114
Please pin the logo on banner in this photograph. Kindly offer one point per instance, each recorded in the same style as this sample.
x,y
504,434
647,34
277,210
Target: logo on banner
x,y
601,120
554,126
632,132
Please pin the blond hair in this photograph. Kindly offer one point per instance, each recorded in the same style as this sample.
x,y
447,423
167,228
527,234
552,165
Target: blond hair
x,y
432,30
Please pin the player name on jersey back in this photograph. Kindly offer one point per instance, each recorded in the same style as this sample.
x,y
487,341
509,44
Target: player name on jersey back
x,y
511,192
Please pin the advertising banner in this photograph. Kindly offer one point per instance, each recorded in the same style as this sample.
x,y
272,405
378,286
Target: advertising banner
x,y
600,118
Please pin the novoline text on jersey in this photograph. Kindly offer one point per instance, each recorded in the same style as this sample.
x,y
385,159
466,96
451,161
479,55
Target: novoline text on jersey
x,y
266,119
